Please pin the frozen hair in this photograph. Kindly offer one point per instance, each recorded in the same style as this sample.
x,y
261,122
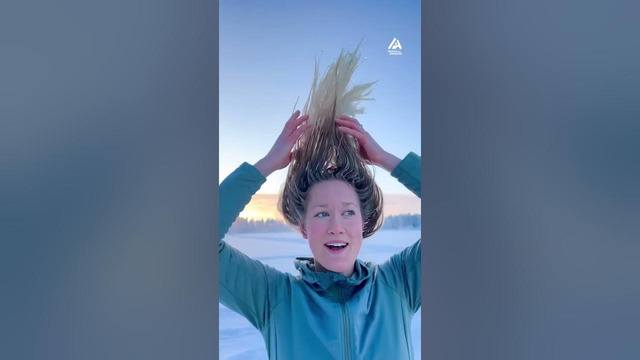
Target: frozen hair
x,y
324,153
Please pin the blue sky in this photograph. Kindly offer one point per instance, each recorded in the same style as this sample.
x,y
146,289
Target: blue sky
x,y
267,54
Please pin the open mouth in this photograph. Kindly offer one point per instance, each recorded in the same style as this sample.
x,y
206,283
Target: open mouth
x,y
336,247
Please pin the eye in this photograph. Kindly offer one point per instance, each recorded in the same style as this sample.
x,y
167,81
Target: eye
x,y
321,214
349,212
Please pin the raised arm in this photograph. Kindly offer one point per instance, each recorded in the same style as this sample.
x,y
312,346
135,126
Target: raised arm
x,y
402,270
406,171
237,189
235,193
244,282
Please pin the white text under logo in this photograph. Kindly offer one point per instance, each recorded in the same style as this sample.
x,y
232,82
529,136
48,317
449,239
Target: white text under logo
x,y
395,48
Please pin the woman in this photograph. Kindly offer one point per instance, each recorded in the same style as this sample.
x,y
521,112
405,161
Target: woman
x,y
339,306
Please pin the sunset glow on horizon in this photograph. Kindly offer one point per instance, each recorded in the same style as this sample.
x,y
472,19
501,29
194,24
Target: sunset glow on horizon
x,y
265,206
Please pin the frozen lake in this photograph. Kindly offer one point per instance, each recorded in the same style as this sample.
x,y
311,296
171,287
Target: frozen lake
x,y
240,340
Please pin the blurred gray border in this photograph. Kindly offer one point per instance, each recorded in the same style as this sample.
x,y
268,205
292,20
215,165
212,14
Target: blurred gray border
x,y
215,103
425,154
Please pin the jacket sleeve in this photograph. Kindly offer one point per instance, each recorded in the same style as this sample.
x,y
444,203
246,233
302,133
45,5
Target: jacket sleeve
x,y
402,270
244,282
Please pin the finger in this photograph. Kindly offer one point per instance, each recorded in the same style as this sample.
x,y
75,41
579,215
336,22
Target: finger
x,y
293,124
350,124
349,118
294,115
356,134
298,132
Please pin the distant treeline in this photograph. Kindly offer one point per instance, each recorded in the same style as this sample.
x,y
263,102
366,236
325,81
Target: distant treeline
x,y
242,225
397,222
393,222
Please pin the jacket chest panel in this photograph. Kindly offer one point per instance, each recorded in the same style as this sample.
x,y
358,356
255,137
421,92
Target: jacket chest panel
x,y
335,329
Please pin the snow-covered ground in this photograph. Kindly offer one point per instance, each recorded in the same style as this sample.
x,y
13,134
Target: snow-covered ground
x,y
240,340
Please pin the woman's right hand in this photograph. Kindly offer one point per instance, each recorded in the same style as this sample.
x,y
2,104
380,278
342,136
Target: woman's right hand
x,y
280,154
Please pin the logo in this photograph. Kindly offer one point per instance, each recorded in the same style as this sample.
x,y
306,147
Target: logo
x,y
395,48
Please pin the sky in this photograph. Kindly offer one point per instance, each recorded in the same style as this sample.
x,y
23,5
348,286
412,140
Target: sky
x,y
267,55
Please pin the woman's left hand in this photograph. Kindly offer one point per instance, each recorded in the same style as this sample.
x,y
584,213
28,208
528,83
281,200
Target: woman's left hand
x,y
370,151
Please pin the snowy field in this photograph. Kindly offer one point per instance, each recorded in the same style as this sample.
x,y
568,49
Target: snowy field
x,y
240,340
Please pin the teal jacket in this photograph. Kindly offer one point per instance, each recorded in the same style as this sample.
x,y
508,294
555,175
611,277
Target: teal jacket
x,y
321,315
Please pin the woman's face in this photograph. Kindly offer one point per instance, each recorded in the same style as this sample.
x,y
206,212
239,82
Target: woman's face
x,y
333,226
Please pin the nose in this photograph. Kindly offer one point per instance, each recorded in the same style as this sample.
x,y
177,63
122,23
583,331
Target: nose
x,y
335,226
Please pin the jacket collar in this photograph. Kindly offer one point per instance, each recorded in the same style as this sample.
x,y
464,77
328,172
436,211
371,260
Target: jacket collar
x,y
328,282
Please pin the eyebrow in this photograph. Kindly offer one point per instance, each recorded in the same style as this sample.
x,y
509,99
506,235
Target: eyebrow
x,y
326,206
